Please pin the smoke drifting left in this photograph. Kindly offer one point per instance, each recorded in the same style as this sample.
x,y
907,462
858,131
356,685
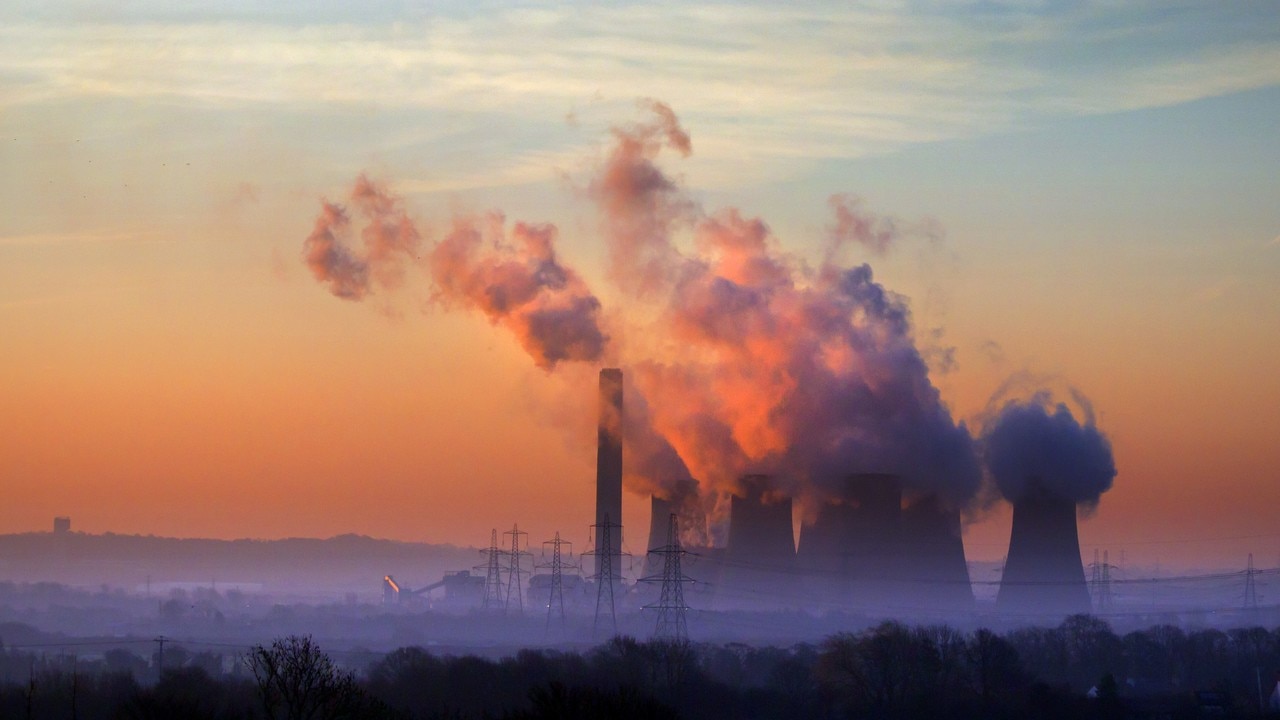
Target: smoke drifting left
x,y
739,358
390,239
518,283
514,277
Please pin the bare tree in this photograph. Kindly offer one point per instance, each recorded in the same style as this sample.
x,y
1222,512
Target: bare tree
x,y
297,681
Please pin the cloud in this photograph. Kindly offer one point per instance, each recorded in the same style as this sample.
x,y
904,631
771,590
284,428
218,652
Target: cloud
x,y
903,76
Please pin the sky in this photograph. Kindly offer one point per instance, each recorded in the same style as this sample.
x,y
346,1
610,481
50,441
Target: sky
x,y
1097,182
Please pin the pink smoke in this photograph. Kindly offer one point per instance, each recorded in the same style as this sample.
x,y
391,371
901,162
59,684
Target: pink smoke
x,y
389,236
769,367
854,225
738,357
514,279
518,283
641,204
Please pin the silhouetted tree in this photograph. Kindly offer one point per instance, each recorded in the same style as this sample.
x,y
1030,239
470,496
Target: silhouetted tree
x,y
296,681
994,666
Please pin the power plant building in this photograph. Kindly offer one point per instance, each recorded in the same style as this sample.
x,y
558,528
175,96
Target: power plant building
x,y
761,550
1043,574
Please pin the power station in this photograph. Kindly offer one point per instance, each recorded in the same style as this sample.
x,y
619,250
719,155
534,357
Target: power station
x,y
874,546
1043,573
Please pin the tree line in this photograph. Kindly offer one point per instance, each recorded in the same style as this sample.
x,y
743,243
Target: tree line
x,y
1078,669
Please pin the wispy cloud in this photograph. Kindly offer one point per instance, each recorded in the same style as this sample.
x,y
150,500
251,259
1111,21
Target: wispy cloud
x,y
768,82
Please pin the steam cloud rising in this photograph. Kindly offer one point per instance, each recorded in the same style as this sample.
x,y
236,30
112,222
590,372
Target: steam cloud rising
x,y
1035,441
807,375
517,282
738,358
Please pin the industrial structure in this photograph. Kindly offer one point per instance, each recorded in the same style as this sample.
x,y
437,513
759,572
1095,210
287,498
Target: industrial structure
x,y
874,546
761,548
672,625
609,467
933,572
462,591
1043,574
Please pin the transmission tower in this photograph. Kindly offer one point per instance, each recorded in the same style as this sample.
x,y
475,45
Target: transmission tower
x,y
1105,597
1100,583
555,601
515,570
671,608
606,573
492,575
1250,587
1095,577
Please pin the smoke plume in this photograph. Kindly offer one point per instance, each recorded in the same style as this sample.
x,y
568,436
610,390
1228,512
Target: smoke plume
x,y
1036,441
756,364
518,283
515,279
854,225
739,358
389,236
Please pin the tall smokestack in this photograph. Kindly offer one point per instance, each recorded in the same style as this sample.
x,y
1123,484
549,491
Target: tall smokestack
x,y
609,465
1043,573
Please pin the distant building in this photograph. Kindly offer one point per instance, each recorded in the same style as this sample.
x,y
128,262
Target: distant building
x,y
62,524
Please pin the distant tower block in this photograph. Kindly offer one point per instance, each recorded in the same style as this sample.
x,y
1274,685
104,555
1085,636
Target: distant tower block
x,y
62,524
609,463
933,573
760,560
1043,573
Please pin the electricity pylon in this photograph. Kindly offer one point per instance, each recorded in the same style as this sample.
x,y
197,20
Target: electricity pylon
x,y
671,625
1100,583
1250,587
492,575
555,601
606,573
514,569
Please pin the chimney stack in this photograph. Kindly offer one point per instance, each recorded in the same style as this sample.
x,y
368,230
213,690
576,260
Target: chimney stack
x,y
609,465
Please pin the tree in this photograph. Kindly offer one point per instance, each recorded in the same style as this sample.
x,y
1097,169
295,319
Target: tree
x,y
995,666
296,681
888,670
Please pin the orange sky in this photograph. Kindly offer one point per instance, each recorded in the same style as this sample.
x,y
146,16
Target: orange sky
x,y
169,367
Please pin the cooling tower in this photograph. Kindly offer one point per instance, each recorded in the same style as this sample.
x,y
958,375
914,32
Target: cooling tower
x,y
609,467
1043,573
932,573
848,553
759,565
659,516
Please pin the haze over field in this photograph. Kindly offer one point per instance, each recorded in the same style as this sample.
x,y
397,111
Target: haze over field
x,y
1010,198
